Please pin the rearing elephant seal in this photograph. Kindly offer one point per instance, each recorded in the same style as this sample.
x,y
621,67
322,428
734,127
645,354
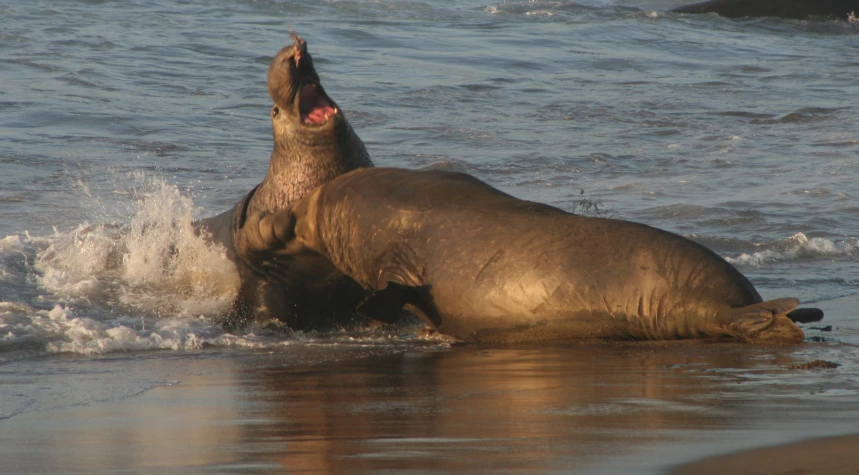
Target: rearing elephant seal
x,y
481,265
313,144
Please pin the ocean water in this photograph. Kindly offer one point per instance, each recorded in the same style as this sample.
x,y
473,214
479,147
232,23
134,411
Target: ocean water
x,y
121,122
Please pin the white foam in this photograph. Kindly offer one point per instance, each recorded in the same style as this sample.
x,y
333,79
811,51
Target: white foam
x,y
155,263
11,243
73,261
798,246
63,330
144,280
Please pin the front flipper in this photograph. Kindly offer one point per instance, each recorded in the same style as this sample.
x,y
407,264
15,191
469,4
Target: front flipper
x,y
765,322
264,232
398,271
384,305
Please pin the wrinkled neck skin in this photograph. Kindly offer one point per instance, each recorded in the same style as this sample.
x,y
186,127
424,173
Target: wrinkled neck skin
x,y
329,228
302,160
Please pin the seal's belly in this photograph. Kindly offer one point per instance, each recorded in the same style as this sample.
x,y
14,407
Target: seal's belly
x,y
581,292
534,311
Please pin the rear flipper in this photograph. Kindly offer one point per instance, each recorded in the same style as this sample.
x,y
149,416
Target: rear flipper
x,y
765,323
806,315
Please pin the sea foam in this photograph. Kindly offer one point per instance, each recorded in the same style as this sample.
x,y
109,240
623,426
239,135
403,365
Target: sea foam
x,y
798,246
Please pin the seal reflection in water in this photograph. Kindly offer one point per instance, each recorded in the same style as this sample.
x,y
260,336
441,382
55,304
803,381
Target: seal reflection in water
x,y
313,143
481,265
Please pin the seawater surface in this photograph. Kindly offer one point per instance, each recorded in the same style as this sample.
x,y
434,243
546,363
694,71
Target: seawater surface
x,y
121,122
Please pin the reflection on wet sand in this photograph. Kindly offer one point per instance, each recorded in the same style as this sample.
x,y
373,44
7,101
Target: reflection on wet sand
x,y
513,408
108,417
334,408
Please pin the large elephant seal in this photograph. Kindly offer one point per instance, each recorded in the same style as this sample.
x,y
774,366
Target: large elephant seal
x,y
313,143
481,265
797,9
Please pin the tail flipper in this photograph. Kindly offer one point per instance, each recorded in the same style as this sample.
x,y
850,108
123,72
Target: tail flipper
x,y
806,315
766,322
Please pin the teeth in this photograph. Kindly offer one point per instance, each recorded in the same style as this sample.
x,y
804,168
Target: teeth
x,y
320,116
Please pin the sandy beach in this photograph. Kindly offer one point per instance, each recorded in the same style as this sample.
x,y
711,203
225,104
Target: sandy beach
x,y
580,408
824,456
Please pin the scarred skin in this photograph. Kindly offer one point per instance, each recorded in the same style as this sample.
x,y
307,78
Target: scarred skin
x,y
797,9
313,144
481,265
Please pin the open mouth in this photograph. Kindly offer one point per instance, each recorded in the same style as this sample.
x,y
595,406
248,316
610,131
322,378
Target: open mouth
x,y
314,107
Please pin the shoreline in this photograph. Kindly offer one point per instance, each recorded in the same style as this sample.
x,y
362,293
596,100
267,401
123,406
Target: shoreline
x,y
625,408
824,455
833,455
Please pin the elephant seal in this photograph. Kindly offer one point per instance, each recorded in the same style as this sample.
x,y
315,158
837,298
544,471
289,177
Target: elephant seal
x,y
797,9
481,265
313,143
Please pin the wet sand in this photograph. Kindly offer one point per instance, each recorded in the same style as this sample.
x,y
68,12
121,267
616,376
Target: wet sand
x,y
825,456
579,408
810,456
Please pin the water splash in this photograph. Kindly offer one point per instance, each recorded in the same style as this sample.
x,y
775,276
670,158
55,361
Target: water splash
x,y
148,282
156,263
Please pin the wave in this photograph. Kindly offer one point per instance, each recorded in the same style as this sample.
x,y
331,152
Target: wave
x,y
798,246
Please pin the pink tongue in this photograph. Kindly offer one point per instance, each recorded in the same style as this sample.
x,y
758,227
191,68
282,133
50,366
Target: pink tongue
x,y
315,108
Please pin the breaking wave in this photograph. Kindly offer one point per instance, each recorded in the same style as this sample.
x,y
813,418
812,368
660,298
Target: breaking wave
x,y
798,246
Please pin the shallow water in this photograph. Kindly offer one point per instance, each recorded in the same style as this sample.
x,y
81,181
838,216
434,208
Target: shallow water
x,y
121,122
